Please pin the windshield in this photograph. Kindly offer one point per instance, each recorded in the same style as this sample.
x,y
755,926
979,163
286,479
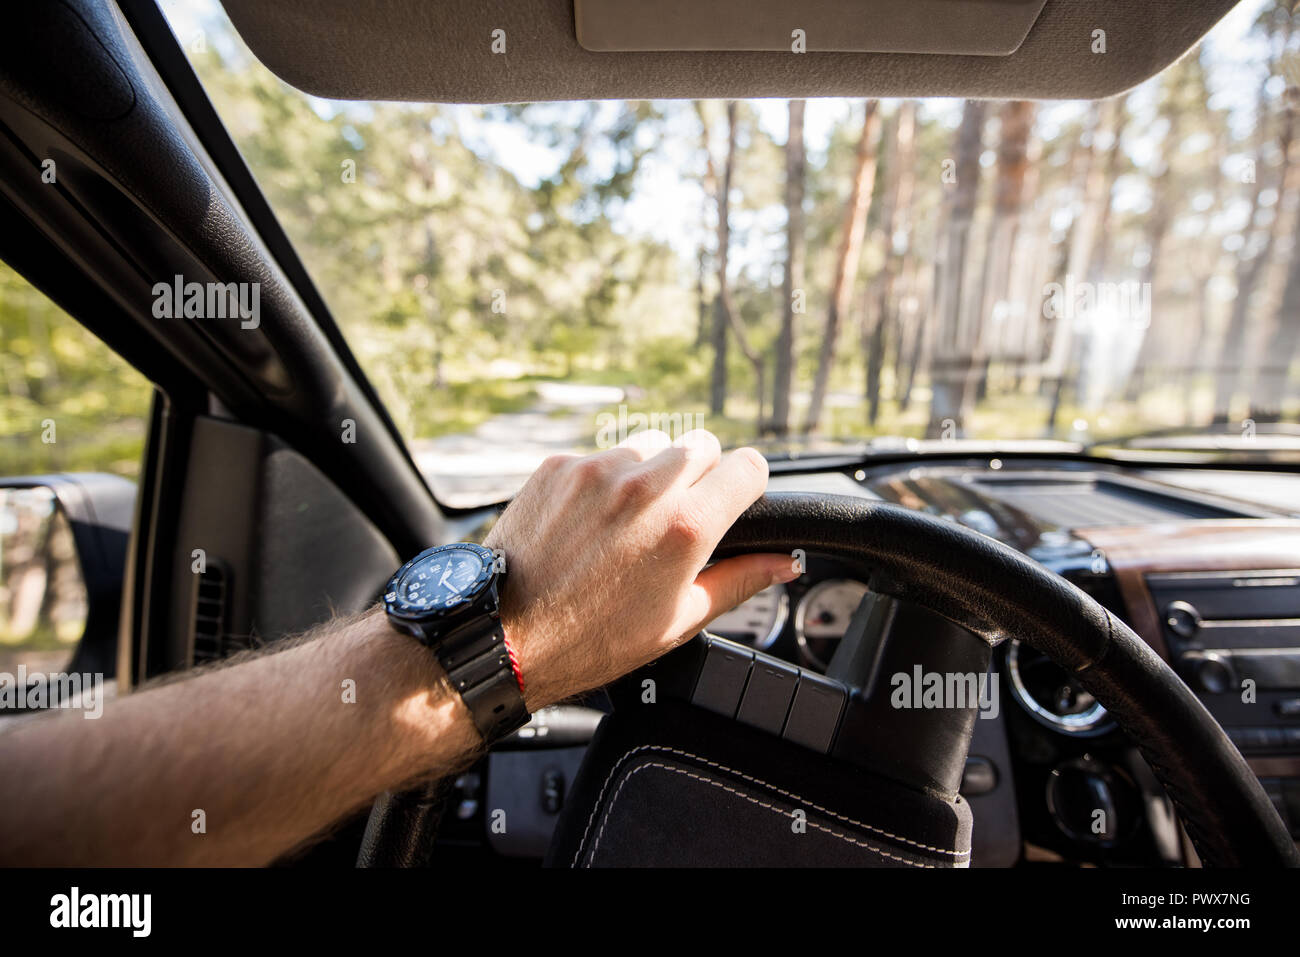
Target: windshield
x,y
522,280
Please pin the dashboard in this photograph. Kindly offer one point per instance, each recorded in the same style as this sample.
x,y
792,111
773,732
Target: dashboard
x,y
1203,564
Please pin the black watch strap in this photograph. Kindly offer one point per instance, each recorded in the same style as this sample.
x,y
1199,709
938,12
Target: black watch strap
x,y
478,666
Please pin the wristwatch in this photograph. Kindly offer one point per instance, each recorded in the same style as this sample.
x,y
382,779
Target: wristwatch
x,y
447,597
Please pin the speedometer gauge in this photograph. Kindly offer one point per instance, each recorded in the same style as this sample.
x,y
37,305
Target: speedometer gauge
x,y
823,617
756,621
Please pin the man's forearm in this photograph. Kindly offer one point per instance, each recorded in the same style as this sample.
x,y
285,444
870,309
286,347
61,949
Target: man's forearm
x,y
263,755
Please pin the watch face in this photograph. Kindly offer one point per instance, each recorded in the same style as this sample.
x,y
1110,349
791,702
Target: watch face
x,y
439,580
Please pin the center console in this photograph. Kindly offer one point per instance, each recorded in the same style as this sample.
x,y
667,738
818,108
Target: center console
x,y
1221,603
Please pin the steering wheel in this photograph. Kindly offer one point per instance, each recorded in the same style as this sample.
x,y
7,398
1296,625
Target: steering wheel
x,y
997,593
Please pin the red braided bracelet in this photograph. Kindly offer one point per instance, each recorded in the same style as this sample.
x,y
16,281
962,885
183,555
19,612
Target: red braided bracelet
x,y
514,664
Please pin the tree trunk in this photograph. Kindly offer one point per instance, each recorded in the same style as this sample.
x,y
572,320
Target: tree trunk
x,y
1166,198
1094,190
1013,184
726,313
1197,351
702,299
1250,269
895,222
795,171
954,343
1283,341
846,263
1102,241
718,327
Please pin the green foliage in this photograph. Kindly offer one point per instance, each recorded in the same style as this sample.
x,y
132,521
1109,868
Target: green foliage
x,y
57,381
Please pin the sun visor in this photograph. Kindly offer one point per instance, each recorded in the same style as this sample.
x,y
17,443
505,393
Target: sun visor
x,y
505,51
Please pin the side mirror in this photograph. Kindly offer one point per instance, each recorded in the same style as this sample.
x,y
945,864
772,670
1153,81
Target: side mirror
x,y
63,545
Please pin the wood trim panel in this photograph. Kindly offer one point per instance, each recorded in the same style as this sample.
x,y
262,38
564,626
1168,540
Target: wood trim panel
x,y
1276,767
1134,551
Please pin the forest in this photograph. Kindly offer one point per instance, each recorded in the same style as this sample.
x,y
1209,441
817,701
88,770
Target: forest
x,y
797,273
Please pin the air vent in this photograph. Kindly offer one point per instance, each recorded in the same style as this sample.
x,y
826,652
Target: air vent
x,y
1052,697
1084,502
209,615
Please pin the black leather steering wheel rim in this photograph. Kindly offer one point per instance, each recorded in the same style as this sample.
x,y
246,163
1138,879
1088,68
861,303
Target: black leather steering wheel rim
x,y
998,593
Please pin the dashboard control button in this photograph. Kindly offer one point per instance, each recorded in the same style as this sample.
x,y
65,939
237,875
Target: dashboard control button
x,y
1249,739
815,712
979,777
768,695
1274,739
1092,802
1214,675
1275,669
722,677
1182,618
552,790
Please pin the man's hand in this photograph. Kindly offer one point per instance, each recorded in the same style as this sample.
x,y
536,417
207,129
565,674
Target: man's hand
x,y
606,554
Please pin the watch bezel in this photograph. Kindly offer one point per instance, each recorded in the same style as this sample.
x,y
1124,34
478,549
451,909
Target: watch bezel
x,y
397,607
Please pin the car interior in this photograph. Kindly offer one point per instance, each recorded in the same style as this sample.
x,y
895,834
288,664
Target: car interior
x,y
1128,609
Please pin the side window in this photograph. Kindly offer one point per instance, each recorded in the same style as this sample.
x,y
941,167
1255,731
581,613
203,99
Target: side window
x,y
42,591
68,404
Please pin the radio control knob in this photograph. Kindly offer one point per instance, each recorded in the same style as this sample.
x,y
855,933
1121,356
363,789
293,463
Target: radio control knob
x,y
1214,675
1182,618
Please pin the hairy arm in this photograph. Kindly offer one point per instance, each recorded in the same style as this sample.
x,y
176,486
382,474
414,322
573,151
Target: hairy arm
x,y
271,751
606,559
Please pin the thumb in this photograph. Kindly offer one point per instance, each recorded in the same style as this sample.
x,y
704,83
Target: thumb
x,y
721,587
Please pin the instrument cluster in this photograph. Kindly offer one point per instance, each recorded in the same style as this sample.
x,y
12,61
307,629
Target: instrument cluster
x,y
802,621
